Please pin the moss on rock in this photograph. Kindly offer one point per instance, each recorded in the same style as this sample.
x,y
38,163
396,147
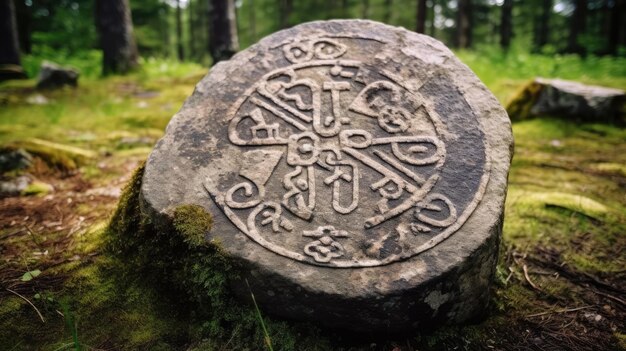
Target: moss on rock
x,y
192,222
63,158
519,105
179,265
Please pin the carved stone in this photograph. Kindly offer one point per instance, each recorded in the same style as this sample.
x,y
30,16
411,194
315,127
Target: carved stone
x,y
357,171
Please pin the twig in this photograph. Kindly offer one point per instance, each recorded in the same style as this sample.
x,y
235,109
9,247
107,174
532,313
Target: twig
x,y
559,311
30,303
525,268
610,296
6,236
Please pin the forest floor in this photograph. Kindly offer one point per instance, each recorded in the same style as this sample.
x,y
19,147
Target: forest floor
x,y
560,281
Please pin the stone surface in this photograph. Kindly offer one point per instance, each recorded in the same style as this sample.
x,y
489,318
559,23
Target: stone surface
x,y
14,159
568,99
357,171
53,76
14,186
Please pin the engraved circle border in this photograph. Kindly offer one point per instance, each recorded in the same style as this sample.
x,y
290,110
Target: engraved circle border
x,y
280,250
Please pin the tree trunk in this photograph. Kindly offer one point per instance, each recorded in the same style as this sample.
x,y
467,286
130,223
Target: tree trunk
x,y
284,12
506,25
578,25
421,17
365,9
179,32
115,26
10,66
9,45
542,32
252,20
617,16
464,24
223,40
388,11
192,54
24,17
431,10
344,8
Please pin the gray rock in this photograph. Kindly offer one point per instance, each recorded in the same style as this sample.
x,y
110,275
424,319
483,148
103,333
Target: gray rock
x,y
14,186
12,159
53,76
568,99
356,171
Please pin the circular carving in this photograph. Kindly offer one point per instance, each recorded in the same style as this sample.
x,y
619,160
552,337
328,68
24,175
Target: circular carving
x,y
341,165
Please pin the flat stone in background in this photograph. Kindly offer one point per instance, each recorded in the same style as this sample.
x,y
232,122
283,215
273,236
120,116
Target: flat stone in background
x,y
357,171
53,76
568,99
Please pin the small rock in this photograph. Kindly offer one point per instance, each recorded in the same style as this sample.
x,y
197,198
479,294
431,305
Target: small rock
x,y
14,160
53,76
593,317
37,99
105,191
14,186
556,143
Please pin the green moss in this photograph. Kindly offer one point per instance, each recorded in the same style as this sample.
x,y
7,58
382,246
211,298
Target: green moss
x,y
179,265
37,188
192,222
572,202
520,104
621,339
60,157
611,168
126,220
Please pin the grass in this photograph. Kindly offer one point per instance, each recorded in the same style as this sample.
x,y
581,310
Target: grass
x,y
100,112
505,72
564,228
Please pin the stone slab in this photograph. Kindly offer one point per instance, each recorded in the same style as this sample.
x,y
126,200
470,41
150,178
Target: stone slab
x,y
569,99
53,76
356,170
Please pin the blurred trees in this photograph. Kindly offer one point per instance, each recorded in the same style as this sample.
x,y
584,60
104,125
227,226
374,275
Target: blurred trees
x,y
10,65
542,27
578,25
211,30
114,24
24,19
506,25
179,31
223,39
421,17
617,25
464,24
